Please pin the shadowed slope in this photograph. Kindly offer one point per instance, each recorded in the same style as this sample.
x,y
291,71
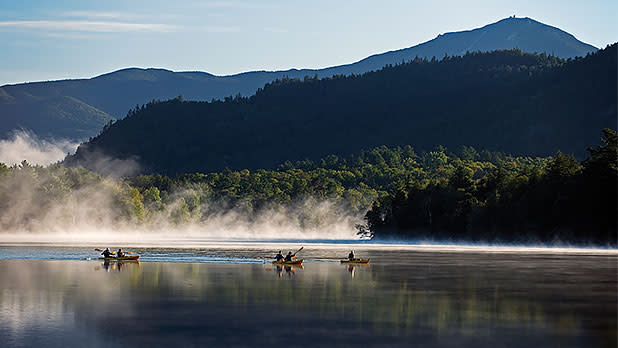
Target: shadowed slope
x,y
505,101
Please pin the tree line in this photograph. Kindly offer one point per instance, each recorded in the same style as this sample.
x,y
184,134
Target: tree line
x,y
562,200
439,194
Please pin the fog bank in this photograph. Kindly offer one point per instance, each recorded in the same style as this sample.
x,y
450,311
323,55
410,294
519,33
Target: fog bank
x,y
60,204
25,145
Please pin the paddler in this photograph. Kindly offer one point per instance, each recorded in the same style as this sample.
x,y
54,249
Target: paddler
x,y
288,257
120,253
106,253
279,256
351,256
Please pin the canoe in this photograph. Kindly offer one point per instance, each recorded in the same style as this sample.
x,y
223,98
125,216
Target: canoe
x,y
123,258
291,263
357,261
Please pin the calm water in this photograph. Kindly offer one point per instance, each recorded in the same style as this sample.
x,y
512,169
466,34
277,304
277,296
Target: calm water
x,y
231,296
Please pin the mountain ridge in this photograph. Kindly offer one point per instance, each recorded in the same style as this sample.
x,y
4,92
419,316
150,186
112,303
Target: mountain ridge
x,y
110,95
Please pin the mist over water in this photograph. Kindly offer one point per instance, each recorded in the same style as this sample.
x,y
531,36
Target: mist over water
x,y
25,145
100,209
60,205
95,210
93,221
91,213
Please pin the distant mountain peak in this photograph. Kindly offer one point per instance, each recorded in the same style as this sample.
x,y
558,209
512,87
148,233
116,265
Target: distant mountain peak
x,y
521,33
529,35
147,74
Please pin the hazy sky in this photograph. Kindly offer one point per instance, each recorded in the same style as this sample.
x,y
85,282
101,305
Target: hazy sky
x,y
55,39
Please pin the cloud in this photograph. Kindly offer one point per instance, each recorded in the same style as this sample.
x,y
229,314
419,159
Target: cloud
x,y
23,145
88,26
64,35
98,14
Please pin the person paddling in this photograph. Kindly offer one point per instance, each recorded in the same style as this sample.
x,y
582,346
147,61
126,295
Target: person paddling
x,y
106,253
351,256
279,256
288,257
119,253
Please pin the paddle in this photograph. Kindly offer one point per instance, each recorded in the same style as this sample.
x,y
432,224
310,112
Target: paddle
x,y
297,251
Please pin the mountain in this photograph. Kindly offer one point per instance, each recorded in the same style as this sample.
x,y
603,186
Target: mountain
x,y
84,105
525,34
507,101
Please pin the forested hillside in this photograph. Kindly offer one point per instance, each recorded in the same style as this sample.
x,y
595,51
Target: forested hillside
x,y
463,195
507,101
52,116
564,201
33,196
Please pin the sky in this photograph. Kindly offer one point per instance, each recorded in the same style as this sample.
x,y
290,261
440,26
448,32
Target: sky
x,y
57,39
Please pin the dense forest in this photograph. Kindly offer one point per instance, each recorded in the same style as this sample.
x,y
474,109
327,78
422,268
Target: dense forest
x,y
462,195
508,101
564,201
351,184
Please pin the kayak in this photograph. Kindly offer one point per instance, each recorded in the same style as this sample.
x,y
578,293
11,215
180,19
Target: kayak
x,y
122,258
357,261
295,262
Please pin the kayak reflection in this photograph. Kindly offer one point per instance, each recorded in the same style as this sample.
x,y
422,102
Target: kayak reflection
x,y
290,270
117,265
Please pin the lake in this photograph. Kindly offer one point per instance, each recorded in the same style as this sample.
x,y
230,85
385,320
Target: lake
x,y
228,294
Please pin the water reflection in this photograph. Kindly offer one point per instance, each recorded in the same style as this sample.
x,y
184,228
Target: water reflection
x,y
116,265
353,267
437,300
290,270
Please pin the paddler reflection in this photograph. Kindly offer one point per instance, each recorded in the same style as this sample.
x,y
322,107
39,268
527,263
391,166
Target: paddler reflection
x,y
116,265
353,267
352,270
289,270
